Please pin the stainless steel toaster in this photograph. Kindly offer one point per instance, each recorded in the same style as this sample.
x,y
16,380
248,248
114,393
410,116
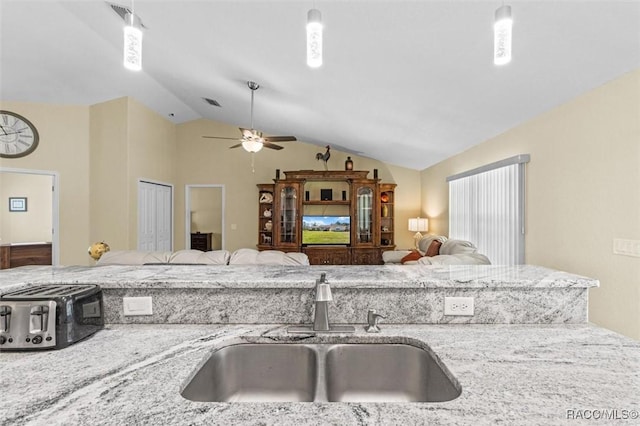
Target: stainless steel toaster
x,y
49,316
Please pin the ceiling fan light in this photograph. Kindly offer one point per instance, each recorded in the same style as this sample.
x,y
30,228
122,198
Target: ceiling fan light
x,y
252,146
132,44
502,35
314,38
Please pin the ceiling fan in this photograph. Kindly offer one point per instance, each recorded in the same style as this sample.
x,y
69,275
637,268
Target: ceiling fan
x,y
252,139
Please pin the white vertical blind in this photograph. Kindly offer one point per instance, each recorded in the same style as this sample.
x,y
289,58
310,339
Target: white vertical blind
x,y
486,207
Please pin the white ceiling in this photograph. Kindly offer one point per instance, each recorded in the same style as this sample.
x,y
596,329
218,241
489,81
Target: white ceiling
x,y
406,82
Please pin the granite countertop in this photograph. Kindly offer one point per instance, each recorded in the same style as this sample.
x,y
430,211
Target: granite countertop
x,y
510,374
266,276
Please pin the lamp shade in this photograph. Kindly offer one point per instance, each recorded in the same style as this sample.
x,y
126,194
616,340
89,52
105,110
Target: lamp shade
x,y
314,38
418,224
252,146
502,36
132,43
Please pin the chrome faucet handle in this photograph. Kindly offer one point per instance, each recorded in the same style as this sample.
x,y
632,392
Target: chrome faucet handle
x,y
372,320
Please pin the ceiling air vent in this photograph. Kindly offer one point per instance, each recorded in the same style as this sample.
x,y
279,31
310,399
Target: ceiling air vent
x,y
212,102
122,11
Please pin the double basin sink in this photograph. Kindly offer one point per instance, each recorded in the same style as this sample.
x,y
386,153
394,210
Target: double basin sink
x,y
283,372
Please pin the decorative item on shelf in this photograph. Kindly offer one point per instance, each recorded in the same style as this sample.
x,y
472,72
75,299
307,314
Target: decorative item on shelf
x,y
344,195
375,173
268,226
417,225
266,197
96,250
266,239
326,194
324,157
306,195
348,164
277,174
384,197
385,210
385,242
267,213
385,229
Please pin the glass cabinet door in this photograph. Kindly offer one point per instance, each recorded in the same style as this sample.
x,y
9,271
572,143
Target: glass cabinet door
x,y
364,215
288,214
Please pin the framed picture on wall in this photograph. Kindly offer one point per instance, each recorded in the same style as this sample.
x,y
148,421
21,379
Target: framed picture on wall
x,y
17,204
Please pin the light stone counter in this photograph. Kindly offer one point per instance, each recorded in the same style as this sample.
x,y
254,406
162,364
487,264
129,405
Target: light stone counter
x,y
201,294
510,374
273,277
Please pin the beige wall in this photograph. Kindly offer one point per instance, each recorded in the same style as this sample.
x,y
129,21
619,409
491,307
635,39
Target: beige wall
x,y
63,148
109,178
152,151
128,142
35,224
210,161
582,192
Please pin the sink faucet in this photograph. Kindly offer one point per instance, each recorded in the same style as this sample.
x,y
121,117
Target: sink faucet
x,y
323,295
321,313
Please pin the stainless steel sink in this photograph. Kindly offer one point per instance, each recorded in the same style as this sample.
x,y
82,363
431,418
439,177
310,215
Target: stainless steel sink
x,y
385,373
322,373
256,373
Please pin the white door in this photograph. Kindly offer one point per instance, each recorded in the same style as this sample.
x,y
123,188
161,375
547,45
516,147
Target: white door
x,y
154,216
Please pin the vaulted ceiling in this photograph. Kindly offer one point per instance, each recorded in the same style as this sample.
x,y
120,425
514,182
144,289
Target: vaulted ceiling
x,y
407,82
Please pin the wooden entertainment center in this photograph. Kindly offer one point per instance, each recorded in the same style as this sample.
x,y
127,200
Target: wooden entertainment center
x,y
367,203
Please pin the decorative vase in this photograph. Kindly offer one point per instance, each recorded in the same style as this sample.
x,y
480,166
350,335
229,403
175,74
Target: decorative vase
x,y
268,226
385,211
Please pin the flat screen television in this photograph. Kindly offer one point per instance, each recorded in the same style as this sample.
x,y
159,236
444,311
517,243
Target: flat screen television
x,y
318,230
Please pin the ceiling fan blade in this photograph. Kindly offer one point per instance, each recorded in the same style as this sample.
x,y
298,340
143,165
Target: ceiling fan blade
x,y
272,146
236,146
220,137
280,138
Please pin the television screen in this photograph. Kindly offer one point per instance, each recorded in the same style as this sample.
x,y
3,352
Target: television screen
x,y
326,230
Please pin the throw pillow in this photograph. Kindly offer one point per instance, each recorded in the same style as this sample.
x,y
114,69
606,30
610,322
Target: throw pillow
x,y
414,255
434,248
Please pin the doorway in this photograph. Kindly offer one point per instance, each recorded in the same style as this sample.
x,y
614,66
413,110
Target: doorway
x,y
36,224
155,216
204,213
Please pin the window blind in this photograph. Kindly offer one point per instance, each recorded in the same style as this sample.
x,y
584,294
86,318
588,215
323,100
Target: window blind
x,y
486,207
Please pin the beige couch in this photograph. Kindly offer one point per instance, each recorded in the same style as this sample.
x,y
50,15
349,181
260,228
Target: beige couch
x,y
451,252
197,257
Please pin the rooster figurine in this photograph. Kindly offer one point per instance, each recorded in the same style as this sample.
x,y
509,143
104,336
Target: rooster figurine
x,y
324,157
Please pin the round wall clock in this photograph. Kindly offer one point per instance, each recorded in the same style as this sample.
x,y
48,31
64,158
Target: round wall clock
x,y
18,136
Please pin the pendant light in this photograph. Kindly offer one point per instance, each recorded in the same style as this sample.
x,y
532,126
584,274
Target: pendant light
x,y
314,38
132,41
502,36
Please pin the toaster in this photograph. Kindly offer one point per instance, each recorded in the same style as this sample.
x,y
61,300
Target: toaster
x,y
49,316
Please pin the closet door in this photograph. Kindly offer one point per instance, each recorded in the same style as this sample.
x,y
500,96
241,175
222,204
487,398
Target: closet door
x,y
154,216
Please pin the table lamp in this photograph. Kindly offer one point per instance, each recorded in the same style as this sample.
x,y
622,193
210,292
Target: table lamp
x,y
416,225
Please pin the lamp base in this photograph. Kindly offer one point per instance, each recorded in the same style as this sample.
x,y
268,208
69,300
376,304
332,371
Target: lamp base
x,y
417,237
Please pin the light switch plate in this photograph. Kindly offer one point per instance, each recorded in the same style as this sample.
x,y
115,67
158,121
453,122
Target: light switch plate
x,y
458,306
137,306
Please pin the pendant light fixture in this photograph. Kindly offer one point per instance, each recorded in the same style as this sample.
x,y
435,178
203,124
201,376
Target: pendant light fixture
x,y
502,35
132,41
314,38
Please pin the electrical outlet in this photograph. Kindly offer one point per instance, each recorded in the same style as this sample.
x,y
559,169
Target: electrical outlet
x,y
137,306
626,247
458,306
